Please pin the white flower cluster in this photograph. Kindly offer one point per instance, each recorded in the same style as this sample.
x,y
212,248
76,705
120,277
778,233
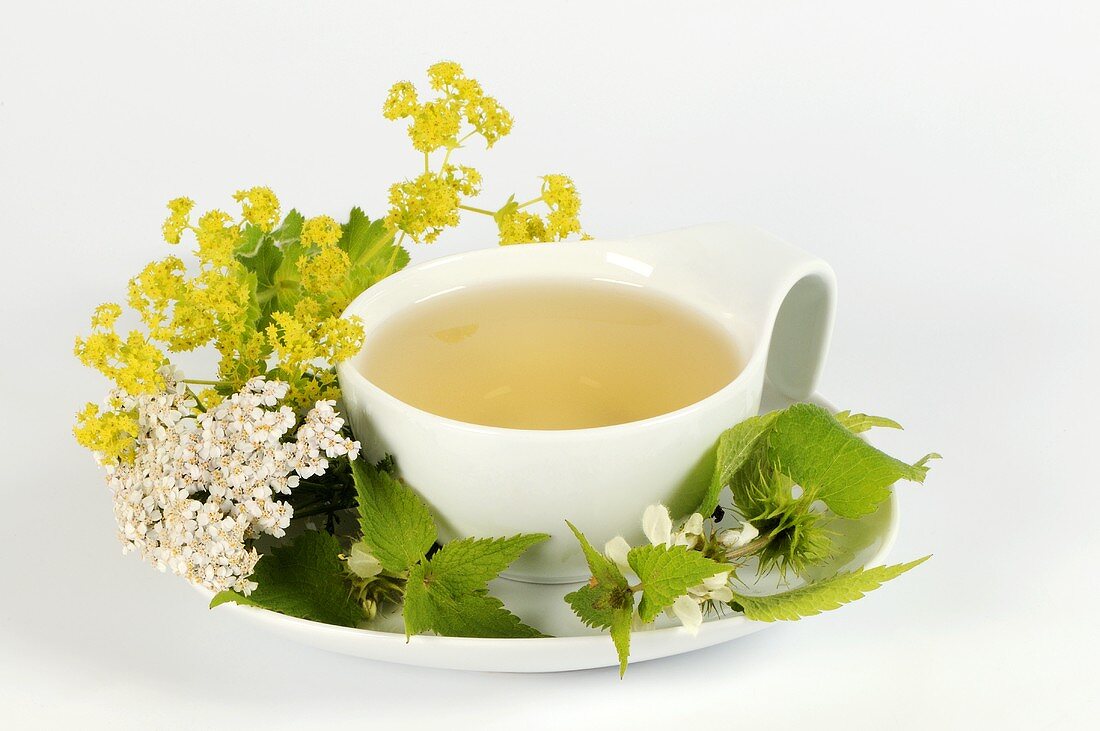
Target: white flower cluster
x,y
657,526
202,484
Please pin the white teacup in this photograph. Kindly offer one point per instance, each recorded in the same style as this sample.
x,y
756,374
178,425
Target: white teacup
x,y
775,301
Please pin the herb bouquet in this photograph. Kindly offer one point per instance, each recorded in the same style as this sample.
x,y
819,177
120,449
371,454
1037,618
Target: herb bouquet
x,y
248,482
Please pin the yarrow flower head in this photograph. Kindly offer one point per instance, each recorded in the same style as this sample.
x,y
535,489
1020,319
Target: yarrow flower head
x,y
201,486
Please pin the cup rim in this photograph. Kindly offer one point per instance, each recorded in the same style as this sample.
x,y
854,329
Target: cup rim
x,y
346,370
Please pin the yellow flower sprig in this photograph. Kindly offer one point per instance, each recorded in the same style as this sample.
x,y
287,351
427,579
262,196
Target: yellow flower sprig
x,y
421,208
267,290
267,297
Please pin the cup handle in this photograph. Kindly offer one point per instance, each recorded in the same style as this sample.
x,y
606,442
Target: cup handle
x,y
802,325
787,295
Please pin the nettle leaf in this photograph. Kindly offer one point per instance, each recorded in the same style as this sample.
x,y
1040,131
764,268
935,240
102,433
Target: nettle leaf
x,y
857,423
448,593
666,573
845,472
469,564
606,601
396,524
737,447
303,579
818,452
820,596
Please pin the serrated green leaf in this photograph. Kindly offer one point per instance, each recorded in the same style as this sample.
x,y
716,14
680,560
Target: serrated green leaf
x,y
606,601
264,264
371,249
303,579
286,282
249,242
604,571
666,573
290,230
474,615
845,472
593,605
857,423
620,634
467,565
737,446
396,523
448,593
821,596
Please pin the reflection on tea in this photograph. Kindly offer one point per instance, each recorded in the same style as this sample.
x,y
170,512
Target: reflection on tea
x,y
559,354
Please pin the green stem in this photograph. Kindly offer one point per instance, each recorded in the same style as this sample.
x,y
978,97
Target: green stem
x,y
754,546
478,210
529,203
198,401
313,511
200,382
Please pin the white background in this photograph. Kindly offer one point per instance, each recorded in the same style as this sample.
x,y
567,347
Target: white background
x,y
943,156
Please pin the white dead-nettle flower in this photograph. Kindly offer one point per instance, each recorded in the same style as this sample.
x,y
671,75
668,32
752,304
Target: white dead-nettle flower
x,y
657,526
203,484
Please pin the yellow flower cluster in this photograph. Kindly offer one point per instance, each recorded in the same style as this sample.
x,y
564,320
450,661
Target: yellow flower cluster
x,y
437,123
517,226
321,231
223,305
259,206
421,208
268,291
109,434
304,337
131,362
325,272
176,222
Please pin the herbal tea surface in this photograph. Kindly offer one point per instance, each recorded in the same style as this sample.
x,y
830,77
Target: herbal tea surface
x,y
569,354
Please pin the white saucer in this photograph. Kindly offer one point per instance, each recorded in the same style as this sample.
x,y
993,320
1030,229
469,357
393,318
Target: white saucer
x,y
862,542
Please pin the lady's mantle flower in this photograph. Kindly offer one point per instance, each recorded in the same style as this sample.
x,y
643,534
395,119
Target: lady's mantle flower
x,y
179,211
658,528
259,206
200,486
423,207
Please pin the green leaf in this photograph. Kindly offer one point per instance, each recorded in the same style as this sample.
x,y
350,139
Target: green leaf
x,y
620,635
857,423
290,231
845,472
736,448
286,282
264,264
666,573
250,240
606,601
396,523
429,607
448,593
371,249
303,579
820,596
467,565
